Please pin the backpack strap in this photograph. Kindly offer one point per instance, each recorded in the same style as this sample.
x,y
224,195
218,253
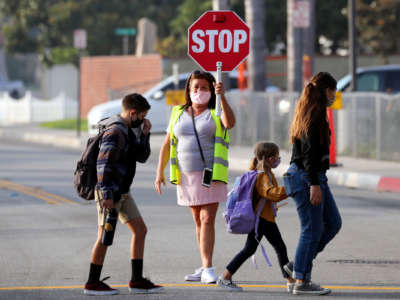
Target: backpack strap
x,y
253,258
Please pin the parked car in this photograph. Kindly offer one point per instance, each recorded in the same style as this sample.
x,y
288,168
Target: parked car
x,y
158,114
374,79
15,88
160,111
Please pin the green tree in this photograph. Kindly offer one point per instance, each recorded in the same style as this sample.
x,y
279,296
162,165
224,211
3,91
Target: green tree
x,y
46,26
331,22
189,11
175,44
378,22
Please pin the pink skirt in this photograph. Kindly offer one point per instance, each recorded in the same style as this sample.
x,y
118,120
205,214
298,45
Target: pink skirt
x,y
192,193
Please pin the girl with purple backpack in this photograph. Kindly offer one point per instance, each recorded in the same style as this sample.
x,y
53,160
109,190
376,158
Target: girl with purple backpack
x,y
266,157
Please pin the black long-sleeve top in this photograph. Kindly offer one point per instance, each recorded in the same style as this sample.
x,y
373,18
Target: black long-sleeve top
x,y
311,154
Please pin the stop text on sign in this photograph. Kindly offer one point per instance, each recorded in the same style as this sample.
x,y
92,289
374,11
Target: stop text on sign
x,y
224,40
218,37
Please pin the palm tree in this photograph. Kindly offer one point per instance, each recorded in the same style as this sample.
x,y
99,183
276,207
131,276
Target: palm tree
x,y
254,10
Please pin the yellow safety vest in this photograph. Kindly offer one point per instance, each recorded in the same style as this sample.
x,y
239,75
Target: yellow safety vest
x,y
221,145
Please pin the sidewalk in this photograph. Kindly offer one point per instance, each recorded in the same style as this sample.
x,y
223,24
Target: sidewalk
x,y
354,172
368,174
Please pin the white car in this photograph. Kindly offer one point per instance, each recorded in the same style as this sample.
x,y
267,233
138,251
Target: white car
x,y
160,111
158,114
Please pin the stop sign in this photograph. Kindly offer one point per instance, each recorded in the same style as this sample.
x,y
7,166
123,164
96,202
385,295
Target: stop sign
x,y
218,36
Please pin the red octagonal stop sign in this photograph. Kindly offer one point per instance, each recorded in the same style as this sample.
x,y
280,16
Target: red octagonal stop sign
x,y
219,36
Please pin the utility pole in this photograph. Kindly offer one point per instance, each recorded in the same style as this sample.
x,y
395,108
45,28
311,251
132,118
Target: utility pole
x,y
223,5
352,45
125,44
309,45
80,43
78,126
294,49
254,10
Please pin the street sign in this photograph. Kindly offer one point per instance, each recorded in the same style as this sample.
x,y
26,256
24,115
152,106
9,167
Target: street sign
x,y
125,31
80,39
219,36
175,97
301,14
338,101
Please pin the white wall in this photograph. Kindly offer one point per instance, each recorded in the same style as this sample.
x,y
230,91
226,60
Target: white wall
x,y
60,79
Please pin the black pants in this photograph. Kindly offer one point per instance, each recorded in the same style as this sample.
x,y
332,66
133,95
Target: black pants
x,y
271,232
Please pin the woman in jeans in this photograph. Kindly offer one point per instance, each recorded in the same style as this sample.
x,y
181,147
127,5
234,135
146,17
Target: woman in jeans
x,y
319,216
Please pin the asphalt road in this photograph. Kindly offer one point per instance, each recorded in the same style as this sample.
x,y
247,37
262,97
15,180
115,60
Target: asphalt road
x,y
47,232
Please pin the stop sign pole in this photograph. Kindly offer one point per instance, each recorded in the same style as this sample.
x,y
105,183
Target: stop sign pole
x,y
218,41
218,98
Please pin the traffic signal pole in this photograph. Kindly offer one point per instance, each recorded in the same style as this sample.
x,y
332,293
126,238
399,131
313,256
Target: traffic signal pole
x,y
352,44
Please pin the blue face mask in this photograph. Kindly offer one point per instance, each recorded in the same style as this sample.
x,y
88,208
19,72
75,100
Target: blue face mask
x,y
276,163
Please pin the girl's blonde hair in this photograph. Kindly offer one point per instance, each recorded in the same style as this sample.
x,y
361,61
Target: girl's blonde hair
x,y
262,151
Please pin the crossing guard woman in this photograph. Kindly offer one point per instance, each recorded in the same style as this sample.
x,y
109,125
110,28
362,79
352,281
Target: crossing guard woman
x,y
197,145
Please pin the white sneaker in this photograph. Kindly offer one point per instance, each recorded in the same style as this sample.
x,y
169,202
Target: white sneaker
x,y
208,275
196,276
289,287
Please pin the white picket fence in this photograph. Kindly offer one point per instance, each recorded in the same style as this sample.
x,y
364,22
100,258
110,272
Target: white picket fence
x,y
30,109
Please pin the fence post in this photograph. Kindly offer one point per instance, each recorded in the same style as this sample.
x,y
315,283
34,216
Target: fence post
x,y
64,104
239,133
3,108
271,111
29,103
378,126
255,115
354,124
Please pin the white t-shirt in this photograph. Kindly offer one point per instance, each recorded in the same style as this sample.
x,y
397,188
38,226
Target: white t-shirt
x,y
188,153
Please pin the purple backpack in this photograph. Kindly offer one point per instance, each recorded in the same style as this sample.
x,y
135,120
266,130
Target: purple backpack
x,y
239,212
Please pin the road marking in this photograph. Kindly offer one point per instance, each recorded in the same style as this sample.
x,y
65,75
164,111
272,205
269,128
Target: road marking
x,y
34,192
271,286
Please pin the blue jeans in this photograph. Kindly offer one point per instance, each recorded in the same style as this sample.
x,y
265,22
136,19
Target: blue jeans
x,y
319,224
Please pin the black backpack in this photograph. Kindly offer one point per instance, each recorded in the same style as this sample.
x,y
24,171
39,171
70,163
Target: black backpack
x,y
85,175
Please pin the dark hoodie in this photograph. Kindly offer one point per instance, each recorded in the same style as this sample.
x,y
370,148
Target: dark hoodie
x,y
120,149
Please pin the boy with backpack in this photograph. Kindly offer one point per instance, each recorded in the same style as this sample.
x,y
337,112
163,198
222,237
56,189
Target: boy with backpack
x,y
263,191
119,150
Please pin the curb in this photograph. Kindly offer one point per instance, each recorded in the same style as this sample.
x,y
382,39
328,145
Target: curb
x,y
361,180
348,179
44,138
389,184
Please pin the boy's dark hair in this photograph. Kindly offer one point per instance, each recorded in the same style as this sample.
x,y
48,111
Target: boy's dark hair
x,y
135,101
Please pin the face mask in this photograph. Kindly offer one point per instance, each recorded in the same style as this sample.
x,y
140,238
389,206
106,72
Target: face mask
x,y
136,123
330,101
200,97
276,163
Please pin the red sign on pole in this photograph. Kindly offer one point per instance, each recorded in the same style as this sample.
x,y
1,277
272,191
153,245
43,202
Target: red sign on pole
x,y
219,36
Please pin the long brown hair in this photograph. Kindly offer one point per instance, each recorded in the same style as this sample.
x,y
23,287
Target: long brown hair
x,y
200,75
311,108
262,151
